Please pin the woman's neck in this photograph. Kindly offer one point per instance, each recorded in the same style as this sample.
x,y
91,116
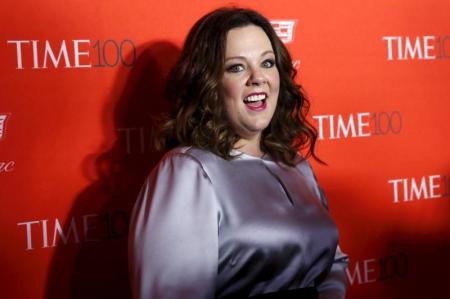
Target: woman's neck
x,y
250,147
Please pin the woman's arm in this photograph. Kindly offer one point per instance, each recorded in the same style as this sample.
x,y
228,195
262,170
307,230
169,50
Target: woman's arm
x,y
335,283
173,242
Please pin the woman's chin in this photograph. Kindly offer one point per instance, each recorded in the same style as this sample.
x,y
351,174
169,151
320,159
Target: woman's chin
x,y
252,132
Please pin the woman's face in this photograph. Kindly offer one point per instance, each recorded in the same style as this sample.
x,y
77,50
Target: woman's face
x,y
250,82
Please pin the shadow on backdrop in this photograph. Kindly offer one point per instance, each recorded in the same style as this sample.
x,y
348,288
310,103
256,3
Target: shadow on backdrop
x,y
409,261
411,266
96,266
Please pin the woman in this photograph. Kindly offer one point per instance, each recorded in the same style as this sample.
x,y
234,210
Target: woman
x,y
232,211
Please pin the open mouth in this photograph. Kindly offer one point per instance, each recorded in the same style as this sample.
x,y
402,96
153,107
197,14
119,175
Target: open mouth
x,y
256,101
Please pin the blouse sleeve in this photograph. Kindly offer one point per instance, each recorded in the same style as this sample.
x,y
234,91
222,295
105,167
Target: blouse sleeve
x,y
173,241
334,285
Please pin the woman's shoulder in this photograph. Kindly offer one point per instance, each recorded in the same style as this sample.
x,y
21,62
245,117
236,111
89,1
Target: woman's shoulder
x,y
187,157
304,166
201,156
179,164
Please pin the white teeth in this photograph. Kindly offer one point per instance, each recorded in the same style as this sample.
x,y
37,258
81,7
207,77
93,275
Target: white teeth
x,y
255,98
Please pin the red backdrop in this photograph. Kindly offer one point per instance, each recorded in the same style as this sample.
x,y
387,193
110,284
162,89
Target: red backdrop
x,y
81,84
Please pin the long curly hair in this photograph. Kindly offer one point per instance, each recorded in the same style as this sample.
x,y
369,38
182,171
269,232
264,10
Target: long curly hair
x,y
198,115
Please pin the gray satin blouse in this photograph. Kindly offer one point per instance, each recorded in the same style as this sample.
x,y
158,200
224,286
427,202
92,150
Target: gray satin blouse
x,y
205,228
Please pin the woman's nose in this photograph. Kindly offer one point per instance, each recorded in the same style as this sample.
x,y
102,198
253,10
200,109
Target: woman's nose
x,y
256,77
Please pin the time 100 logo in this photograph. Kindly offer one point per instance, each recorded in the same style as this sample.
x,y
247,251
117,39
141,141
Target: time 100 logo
x,y
76,53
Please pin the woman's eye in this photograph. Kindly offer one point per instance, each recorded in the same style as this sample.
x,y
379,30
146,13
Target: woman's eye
x,y
235,68
268,63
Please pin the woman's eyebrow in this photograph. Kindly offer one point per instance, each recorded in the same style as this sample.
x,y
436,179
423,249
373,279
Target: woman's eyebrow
x,y
242,57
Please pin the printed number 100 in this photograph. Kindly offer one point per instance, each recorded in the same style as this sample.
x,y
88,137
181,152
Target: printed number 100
x,y
110,53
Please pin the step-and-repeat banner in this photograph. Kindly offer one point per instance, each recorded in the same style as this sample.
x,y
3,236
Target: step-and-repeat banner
x,y
82,87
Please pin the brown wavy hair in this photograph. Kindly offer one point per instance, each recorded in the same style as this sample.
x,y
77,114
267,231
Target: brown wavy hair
x,y
198,115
